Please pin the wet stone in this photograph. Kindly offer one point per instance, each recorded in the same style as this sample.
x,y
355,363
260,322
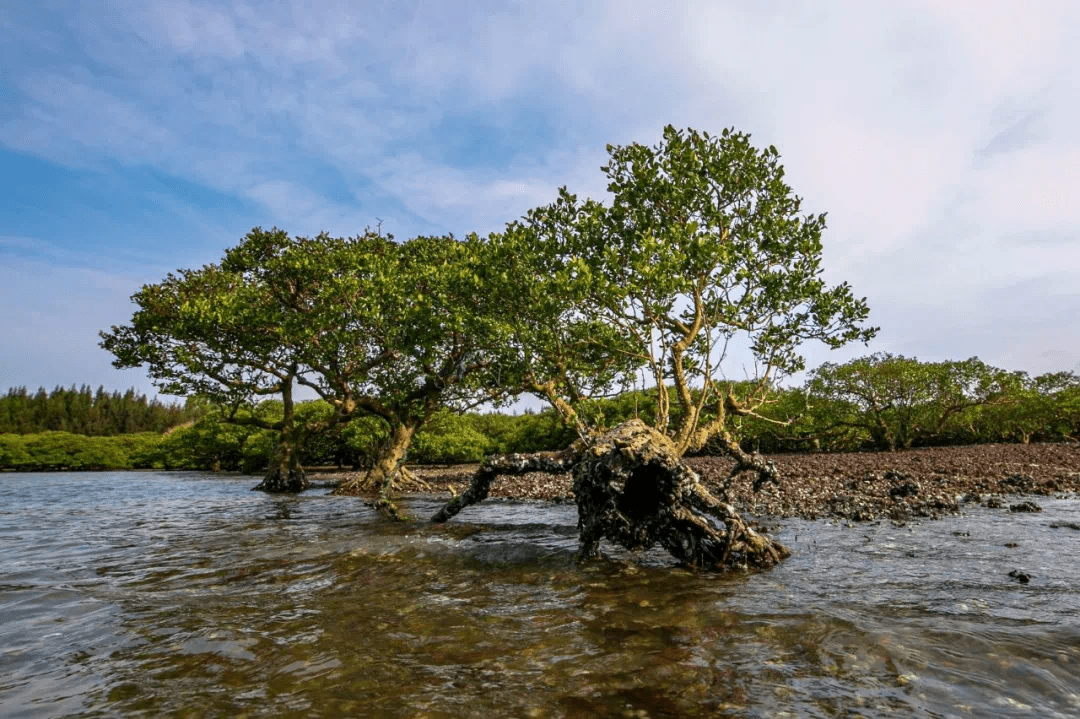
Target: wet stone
x,y
905,488
1019,481
1022,577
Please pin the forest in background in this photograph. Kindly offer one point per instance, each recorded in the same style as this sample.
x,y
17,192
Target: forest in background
x,y
879,402
83,411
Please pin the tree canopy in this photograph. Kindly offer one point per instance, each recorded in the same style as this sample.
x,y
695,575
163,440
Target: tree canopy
x,y
898,399
702,245
236,332
372,326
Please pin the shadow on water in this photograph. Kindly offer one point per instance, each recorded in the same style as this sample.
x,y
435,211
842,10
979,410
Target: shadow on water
x,y
188,595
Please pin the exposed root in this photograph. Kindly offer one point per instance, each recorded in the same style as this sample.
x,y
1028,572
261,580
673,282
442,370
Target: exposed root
x,y
372,482
509,464
385,501
293,480
747,462
412,482
633,489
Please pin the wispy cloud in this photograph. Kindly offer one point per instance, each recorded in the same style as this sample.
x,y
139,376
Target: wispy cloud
x,y
938,136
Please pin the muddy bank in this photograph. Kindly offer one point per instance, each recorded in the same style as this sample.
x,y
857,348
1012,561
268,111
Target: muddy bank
x,y
859,486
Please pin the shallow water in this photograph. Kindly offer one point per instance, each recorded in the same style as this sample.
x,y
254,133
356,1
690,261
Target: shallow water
x,y
189,595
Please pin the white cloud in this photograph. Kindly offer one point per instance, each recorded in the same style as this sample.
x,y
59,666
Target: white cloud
x,y
938,136
186,28
458,200
304,212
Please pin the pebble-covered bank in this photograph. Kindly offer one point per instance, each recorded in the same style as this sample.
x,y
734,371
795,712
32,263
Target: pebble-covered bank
x,y
859,486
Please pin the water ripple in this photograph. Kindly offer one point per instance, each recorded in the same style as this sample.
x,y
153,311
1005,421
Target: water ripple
x,y
186,594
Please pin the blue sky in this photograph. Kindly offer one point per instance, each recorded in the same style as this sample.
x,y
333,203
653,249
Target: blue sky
x,y
138,138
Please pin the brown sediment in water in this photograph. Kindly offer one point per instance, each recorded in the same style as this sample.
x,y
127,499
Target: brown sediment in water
x,y
859,486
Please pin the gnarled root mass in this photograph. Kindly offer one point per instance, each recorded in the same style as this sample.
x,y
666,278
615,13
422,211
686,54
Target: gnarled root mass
x,y
277,480
371,482
384,485
633,489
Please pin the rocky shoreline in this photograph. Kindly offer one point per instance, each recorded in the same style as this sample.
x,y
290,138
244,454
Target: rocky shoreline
x,y
858,486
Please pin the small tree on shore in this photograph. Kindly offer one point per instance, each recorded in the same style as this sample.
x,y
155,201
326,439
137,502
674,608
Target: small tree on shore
x,y
702,246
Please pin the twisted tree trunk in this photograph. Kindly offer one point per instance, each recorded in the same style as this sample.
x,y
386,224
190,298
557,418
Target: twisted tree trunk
x,y
633,489
389,473
284,473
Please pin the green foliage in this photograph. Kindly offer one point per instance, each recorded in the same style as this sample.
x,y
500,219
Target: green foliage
x,y
256,451
360,440
540,432
895,402
552,345
423,337
380,329
702,242
64,450
450,438
13,454
209,444
1044,408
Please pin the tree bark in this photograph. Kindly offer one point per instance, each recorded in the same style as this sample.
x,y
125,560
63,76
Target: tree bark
x,y
284,473
633,489
387,474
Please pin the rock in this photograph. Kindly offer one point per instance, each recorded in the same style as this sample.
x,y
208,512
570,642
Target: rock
x,y
1019,481
1025,507
905,488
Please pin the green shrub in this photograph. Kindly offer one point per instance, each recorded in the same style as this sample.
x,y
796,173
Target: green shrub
x,y
450,438
13,454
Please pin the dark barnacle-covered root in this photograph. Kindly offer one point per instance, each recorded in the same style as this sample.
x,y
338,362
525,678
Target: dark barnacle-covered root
x,y
633,489
507,464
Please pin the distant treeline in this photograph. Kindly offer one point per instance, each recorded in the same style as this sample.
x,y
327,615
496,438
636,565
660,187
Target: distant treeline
x,y
213,444
83,411
877,402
